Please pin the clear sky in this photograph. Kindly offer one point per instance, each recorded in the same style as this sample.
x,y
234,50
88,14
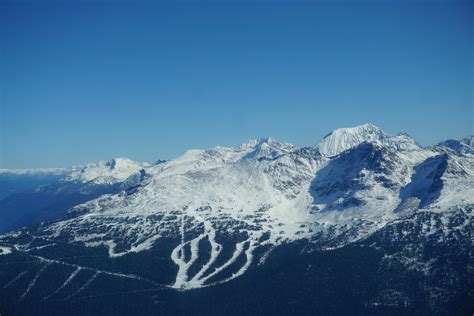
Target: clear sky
x,y
147,80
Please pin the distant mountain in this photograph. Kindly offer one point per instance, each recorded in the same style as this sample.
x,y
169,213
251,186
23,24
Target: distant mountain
x,y
366,216
15,181
31,196
343,139
463,146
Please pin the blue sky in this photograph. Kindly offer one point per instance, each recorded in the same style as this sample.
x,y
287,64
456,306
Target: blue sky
x,y
147,80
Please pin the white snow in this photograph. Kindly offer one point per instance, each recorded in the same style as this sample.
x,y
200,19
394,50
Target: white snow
x,y
5,250
33,282
68,280
19,276
84,286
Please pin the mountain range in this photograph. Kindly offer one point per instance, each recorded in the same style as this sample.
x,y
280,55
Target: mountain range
x,y
364,222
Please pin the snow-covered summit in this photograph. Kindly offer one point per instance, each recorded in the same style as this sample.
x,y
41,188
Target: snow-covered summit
x,y
343,139
106,171
265,148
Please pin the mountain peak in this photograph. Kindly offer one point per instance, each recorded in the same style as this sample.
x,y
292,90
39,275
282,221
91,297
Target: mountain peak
x,y
116,169
463,146
256,142
266,140
266,147
367,126
342,139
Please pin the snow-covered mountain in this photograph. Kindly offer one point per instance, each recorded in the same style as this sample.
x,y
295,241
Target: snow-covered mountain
x,y
29,196
463,146
106,172
343,139
102,172
214,214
